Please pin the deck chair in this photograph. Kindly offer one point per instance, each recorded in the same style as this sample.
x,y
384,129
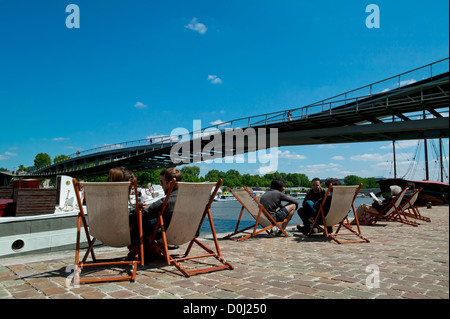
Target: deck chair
x,y
393,211
342,201
257,211
410,210
107,221
192,206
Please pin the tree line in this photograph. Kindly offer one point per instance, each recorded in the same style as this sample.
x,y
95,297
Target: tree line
x,y
234,179
231,178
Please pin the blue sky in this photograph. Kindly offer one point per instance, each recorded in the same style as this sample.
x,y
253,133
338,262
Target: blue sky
x,y
142,68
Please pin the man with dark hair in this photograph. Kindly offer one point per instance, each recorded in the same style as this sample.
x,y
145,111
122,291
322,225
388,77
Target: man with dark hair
x,y
150,212
315,194
312,201
271,201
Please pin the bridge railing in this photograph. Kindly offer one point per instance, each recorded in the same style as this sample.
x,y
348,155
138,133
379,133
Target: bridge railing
x,y
394,82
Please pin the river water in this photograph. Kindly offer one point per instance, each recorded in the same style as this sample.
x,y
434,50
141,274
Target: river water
x,y
226,214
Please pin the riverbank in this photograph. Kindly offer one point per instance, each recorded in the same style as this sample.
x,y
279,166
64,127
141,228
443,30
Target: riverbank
x,y
413,263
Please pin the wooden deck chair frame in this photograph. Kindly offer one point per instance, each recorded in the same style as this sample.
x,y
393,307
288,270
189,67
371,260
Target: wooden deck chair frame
x,y
339,215
251,204
393,211
165,242
79,265
410,210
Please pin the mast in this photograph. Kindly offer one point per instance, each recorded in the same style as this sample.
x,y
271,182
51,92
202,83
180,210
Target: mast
x,y
395,162
427,174
440,160
393,147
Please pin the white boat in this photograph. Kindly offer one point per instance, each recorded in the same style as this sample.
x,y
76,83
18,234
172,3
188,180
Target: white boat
x,y
20,235
147,195
224,198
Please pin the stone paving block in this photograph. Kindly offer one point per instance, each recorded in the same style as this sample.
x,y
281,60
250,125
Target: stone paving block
x,y
366,294
304,290
93,295
408,288
53,291
204,288
223,294
66,295
197,296
412,295
345,279
278,292
302,296
412,265
253,294
4,294
327,287
26,294
437,294
122,294
178,291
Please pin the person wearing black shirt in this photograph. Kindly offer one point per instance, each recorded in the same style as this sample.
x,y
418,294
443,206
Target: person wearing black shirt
x,y
312,202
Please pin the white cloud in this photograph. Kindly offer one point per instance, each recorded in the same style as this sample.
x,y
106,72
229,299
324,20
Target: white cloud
x,y
58,139
400,144
368,157
265,170
406,82
376,157
290,155
322,170
196,26
214,79
140,105
218,122
2,157
402,83
338,158
10,154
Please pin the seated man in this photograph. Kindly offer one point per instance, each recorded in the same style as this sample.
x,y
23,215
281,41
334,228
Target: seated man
x,y
271,201
150,212
315,194
311,209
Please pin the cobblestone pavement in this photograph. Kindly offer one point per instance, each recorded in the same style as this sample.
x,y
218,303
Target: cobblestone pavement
x,y
413,262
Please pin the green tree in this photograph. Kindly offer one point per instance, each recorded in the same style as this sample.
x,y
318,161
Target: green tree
x,y
23,168
42,159
190,173
370,182
352,180
214,175
232,178
296,180
151,176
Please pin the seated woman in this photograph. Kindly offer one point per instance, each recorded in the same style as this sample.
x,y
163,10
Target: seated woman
x,y
365,212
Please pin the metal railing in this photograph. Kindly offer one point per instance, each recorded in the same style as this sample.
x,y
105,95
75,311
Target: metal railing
x,y
364,92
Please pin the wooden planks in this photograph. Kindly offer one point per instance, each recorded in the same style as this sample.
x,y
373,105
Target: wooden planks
x,y
6,192
34,201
